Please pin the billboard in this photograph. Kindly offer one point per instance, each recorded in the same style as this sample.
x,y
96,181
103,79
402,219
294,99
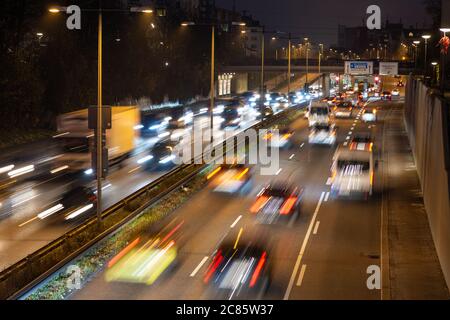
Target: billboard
x,y
388,68
358,67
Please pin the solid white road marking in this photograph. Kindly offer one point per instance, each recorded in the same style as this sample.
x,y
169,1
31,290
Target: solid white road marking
x,y
302,274
327,196
316,227
302,249
199,266
236,221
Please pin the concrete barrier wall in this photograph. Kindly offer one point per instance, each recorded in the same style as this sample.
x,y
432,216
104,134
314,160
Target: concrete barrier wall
x,y
426,119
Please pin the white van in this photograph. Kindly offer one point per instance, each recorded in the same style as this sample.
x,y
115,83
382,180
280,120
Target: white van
x,y
352,172
319,113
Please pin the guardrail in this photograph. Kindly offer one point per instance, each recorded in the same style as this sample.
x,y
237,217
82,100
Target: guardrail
x,y
30,271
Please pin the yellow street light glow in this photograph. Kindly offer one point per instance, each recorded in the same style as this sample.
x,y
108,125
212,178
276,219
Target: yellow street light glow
x,y
54,10
147,11
434,63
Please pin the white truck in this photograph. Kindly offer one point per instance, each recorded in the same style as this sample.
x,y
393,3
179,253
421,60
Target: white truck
x,y
319,113
352,172
77,140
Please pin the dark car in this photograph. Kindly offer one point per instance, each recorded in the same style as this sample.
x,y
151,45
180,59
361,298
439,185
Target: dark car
x,y
276,202
162,155
153,124
231,116
239,270
386,95
78,201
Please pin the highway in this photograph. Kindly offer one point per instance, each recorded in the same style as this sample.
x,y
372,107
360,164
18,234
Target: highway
x,y
323,255
22,232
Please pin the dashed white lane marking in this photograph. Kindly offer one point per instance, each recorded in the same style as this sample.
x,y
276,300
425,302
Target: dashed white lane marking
x,y
327,195
316,228
199,266
347,138
301,146
329,181
279,170
135,169
302,249
302,274
236,221
345,143
350,132
292,156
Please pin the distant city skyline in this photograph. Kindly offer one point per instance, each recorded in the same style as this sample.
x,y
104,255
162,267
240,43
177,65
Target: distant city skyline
x,y
319,20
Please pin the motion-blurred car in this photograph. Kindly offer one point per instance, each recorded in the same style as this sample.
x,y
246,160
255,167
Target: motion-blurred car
x,y
361,141
281,140
240,269
232,179
352,173
343,109
154,124
78,201
369,115
161,156
145,259
276,202
386,95
231,116
322,134
264,112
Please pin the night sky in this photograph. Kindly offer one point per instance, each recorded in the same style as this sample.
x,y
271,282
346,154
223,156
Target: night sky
x,y
318,19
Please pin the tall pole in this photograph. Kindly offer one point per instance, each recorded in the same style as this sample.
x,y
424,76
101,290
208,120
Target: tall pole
x,y
425,57
320,56
99,170
307,63
262,65
211,106
289,65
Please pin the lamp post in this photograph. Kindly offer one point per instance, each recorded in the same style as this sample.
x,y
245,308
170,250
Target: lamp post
x,y
320,54
426,37
99,126
212,82
307,59
416,45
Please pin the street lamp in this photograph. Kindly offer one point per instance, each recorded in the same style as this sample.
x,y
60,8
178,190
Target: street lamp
x,y
57,9
99,125
426,37
320,54
416,46
212,93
